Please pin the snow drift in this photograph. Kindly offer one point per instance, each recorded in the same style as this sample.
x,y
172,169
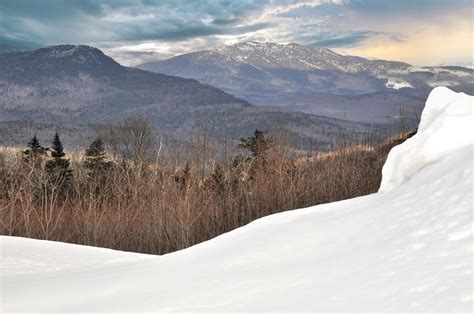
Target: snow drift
x,y
407,248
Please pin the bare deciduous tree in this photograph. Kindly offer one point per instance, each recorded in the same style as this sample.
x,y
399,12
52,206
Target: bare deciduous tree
x,y
132,138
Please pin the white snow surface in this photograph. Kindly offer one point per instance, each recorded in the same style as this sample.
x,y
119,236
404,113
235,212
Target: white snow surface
x,y
407,248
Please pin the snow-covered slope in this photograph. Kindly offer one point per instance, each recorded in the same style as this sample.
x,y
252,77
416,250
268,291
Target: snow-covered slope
x,y
407,248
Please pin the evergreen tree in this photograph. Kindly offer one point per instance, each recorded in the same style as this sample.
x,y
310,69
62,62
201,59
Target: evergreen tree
x,y
35,151
58,167
237,171
95,158
57,150
218,178
3,176
183,180
34,156
257,144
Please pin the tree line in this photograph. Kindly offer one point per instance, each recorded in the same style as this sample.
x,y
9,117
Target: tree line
x,y
56,169
113,194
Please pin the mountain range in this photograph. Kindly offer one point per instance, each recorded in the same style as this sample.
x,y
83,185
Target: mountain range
x,y
295,77
78,88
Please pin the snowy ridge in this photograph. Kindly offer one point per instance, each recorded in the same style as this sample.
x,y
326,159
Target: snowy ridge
x,y
300,57
293,56
408,249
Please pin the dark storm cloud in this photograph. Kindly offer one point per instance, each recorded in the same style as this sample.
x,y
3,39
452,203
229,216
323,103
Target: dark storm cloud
x,y
176,30
50,9
137,20
54,21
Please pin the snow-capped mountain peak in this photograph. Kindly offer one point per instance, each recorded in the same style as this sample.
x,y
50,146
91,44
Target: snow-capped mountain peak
x,y
273,55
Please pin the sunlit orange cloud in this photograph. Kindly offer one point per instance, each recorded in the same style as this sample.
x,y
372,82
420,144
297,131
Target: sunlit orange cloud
x,y
425,45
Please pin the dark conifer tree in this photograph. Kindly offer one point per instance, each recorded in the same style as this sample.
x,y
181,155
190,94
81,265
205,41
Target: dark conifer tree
x,y
186,175
34,156
35,151
58,167
95,158
257,144
3,170
218,178
183,180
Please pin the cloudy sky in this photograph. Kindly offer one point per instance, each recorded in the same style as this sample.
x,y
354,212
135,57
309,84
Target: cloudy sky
x,y
422,32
